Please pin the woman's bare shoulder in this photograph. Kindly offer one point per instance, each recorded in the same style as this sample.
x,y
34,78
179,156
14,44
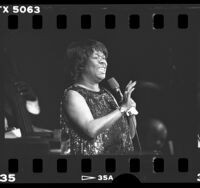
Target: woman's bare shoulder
x,y
73,97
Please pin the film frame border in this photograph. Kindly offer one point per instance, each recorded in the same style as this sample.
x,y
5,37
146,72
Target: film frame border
x,y
133,21
159,165
146,169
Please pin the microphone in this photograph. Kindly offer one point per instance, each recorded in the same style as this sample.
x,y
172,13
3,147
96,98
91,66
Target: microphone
x,y
115,86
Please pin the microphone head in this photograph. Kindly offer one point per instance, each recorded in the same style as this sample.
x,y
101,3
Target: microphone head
x,y
113,83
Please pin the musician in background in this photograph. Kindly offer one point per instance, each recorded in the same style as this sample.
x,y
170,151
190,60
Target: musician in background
x,y
18,96
93,123
31,104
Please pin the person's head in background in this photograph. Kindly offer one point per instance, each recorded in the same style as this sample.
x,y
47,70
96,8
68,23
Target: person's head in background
x,y
154,134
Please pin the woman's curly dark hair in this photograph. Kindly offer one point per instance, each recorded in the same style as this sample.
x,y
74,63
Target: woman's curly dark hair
x,y
78,54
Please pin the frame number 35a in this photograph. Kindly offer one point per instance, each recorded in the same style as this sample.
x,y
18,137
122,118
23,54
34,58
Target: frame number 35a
x,y
105,178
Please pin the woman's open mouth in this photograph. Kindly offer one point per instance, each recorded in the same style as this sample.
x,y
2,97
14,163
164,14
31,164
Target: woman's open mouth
x,y
103,70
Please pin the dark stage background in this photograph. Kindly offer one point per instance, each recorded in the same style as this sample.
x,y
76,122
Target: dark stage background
x,y
167,58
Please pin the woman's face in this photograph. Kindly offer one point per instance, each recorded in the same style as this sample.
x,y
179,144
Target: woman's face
x,y
96,67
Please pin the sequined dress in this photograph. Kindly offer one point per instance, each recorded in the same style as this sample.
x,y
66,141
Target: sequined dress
x,y
113,141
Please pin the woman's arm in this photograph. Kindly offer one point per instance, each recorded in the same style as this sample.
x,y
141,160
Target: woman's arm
x,y
78,111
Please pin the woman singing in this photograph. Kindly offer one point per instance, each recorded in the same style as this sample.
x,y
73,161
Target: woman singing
x,y
92,121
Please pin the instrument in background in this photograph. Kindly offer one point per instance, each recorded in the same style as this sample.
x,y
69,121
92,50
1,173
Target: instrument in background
x,y
12,93
34,140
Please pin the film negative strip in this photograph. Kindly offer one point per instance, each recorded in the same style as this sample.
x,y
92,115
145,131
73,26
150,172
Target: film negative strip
x,y
64,116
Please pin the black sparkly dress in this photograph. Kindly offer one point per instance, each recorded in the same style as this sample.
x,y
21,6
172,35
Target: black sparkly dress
x,y
113,141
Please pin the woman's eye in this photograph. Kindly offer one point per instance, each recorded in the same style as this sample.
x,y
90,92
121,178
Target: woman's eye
x,y
100,58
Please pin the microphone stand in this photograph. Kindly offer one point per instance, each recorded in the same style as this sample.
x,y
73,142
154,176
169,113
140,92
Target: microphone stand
x,y
129,115
132,124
